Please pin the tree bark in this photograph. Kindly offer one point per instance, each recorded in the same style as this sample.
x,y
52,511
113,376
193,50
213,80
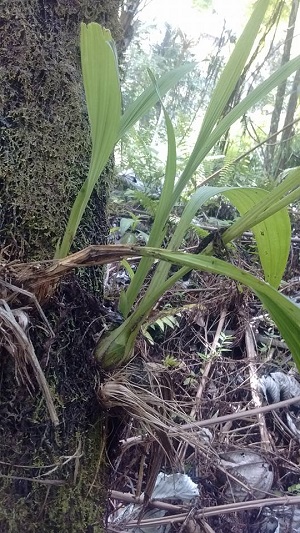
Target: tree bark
x,y
281,91
283,157
129,11
51,478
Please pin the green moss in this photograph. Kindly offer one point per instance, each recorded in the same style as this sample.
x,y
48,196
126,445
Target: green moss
x,y
44,151
52,508
44,128
72,453
75,507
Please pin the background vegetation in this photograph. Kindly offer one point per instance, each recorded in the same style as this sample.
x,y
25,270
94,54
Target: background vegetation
x,y
53,477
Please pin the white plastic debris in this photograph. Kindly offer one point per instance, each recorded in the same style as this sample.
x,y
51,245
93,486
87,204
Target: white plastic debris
x,y
278,386
174,487
254,475
167,487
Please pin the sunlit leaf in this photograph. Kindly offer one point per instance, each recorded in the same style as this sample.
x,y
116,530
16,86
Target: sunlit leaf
x,y
232,71
272,236
149,97
160,323
128,268
286,192
103,98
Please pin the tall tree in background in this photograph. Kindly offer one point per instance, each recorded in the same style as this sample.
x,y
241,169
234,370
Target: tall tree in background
x,y
254,70
50,477
276,154
284,155
129,12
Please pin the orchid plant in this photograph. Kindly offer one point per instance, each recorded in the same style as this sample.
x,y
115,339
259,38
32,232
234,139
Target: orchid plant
x,y
264,212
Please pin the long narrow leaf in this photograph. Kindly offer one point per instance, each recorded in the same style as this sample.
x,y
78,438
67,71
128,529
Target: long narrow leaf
x,y
164,206
116,348
150,97
284,312
232,72
202,195
200,152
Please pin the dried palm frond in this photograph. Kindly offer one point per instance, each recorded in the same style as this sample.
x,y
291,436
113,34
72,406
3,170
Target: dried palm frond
x,y
16,341
148,402
42,277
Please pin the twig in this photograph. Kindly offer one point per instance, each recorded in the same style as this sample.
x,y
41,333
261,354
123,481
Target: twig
x,y
208,366
251,352
31,296
236,416
127,497
217,510
183,446
205,512
54,482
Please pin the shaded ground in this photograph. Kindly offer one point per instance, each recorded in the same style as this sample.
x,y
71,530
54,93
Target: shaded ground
x,y
205,367
200,368
44,469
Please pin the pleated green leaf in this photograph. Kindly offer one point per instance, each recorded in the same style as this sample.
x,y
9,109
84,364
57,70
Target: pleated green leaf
x,y
103,98
102,90
273,235
285,193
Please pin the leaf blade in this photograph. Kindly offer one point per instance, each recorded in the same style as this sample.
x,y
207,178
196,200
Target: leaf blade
x,y
282,310
103,98
149,97
272,235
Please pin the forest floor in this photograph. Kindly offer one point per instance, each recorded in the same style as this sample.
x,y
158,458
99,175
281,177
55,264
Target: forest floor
x,y
200,431
215,358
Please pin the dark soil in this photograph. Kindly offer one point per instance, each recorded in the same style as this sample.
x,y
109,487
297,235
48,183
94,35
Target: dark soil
x,y
41,464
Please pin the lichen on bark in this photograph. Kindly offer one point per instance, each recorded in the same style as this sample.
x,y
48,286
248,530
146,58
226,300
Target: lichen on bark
x,y
44,125
50,479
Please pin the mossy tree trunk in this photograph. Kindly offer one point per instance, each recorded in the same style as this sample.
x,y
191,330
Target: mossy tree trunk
x,y
51,479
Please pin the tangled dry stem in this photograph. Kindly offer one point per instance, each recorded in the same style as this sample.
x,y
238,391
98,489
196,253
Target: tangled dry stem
x,y
222,395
